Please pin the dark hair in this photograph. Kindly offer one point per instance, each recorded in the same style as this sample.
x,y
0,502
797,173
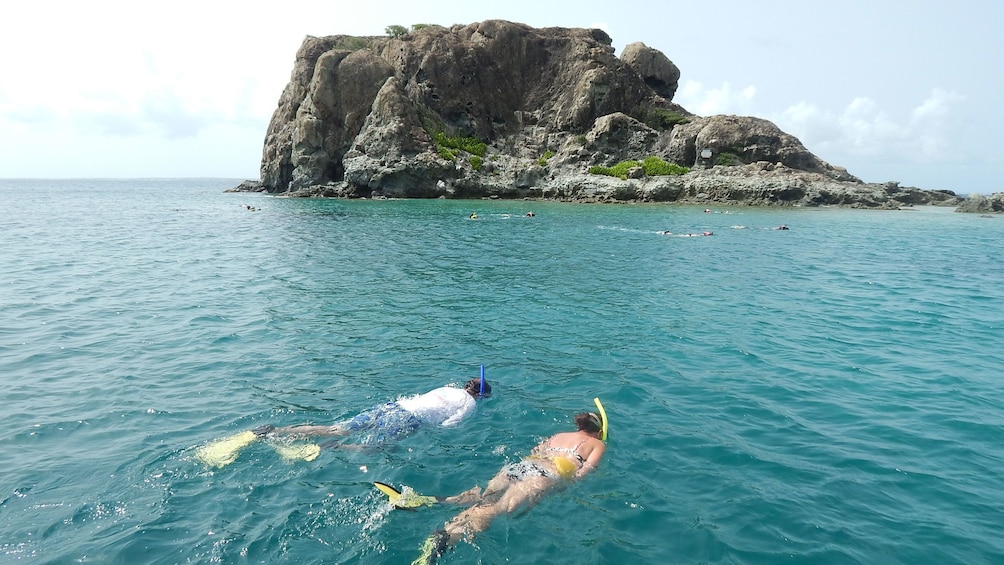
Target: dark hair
x,y
473,387
588,422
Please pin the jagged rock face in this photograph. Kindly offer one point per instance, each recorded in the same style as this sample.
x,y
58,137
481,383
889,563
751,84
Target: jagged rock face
x,y
616,137
276,162
658,72
492,78
359,114
337,103
391,152
501,82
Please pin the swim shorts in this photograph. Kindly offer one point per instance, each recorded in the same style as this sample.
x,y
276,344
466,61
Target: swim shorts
x,y
525,469
386,422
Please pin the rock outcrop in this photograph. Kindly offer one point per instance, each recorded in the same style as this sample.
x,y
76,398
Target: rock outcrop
x,y
506,110
658,72
983,204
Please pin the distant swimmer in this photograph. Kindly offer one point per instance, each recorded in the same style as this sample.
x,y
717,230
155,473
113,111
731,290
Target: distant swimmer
x,y
707,210
530,214
781,227
474,216
705,233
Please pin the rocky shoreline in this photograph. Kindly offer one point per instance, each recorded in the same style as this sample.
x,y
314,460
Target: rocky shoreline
x,y
758,184
498,109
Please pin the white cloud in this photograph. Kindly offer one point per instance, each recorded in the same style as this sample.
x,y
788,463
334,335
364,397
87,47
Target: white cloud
x,y
861,129
702,101
102,69
158,110
932,120
864,129
218,150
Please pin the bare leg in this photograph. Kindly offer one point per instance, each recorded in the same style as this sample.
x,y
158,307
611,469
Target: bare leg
x,y
471,521
521,495
496,485
323,431
468,497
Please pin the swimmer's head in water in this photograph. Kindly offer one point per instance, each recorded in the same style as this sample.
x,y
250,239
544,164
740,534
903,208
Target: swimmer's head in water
x,y
473,386
589,422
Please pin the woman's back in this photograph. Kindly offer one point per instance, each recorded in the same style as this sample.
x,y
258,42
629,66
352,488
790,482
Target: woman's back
x,y
575,446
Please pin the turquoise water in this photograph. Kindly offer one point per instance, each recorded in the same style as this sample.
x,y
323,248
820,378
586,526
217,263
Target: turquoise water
x,y
826,394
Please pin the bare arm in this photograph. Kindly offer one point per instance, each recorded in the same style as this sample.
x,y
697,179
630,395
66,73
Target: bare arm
x,y
592,461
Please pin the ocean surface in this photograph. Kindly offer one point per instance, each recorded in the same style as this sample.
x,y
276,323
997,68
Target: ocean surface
x,y
831,393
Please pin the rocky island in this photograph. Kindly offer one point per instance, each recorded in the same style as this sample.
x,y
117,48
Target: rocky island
x,y
503,110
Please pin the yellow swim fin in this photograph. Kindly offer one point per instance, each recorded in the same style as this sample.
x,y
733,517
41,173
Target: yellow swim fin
x,y
297,452
408,499
223,452
433,548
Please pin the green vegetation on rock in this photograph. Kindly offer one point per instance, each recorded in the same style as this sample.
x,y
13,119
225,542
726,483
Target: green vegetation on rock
x,y
655,166
659,119
398,31
651,165
728,159
468,144
395,30
542,160
352,44
446,153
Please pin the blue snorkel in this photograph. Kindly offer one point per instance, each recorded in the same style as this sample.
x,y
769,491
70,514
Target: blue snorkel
x,y
482,381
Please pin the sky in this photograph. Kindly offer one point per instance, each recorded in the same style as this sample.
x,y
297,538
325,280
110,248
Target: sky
x,y
892,90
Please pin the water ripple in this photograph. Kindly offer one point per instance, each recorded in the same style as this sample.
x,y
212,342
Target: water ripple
x,y
823,394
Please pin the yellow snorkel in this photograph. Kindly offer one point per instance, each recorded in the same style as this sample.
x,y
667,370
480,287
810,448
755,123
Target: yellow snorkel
x,y
603,418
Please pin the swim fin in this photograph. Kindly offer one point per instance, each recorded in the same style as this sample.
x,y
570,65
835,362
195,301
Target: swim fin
x,y
409,499
297,452
223,452
433,548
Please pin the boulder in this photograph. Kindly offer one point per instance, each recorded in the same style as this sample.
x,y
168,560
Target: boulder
x,y
618,137
982,204
658,72
740,140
